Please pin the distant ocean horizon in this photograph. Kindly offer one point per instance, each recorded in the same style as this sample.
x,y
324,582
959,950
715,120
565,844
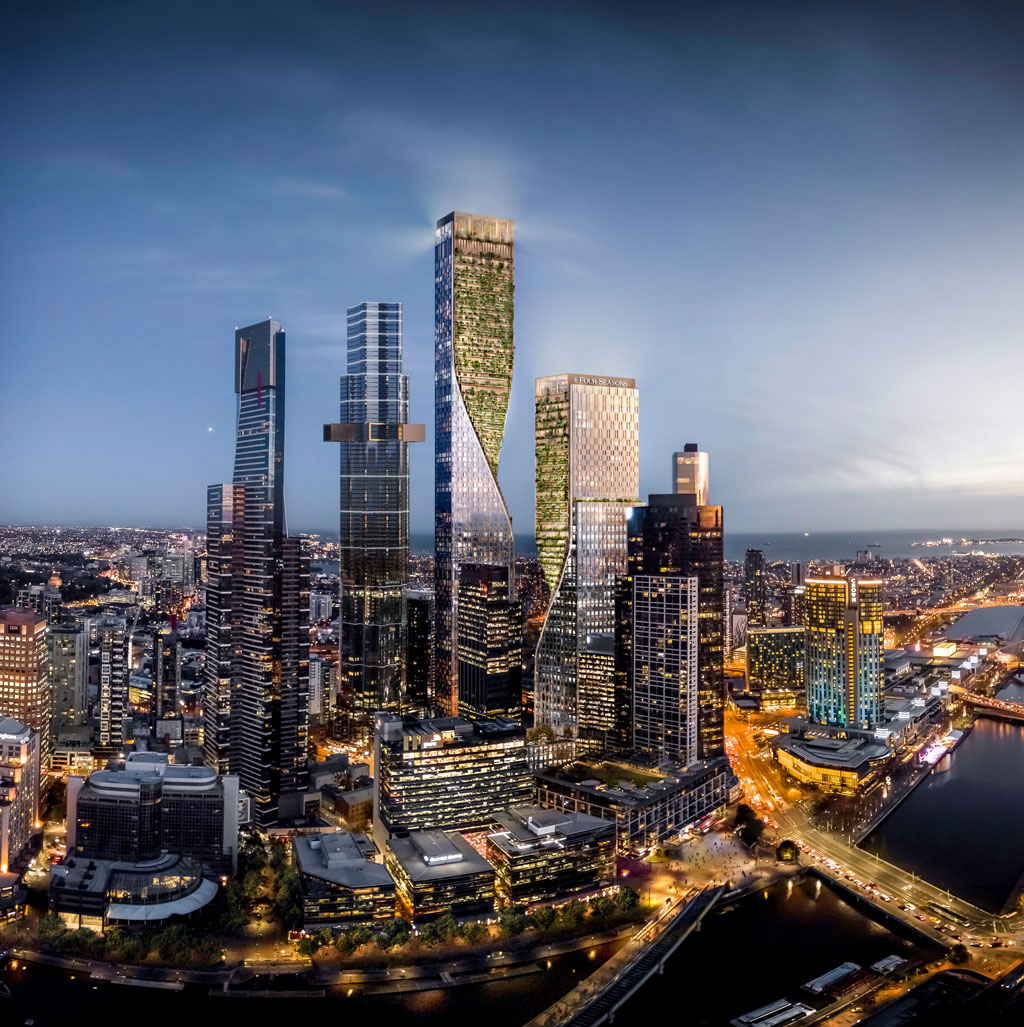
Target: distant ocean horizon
x,y
794,546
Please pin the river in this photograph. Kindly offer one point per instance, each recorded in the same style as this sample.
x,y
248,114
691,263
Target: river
x,y
766,946
963,827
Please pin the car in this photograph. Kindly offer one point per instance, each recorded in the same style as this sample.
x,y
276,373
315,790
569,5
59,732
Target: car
x,y
920,916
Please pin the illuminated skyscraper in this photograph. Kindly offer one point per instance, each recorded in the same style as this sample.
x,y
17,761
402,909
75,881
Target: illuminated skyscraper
x,y
755,589
68,646
490,644
690,473
675,538
473,354
25,692
111,636
260,647
844,672
374,538
666,681
419,674
587,437
166,674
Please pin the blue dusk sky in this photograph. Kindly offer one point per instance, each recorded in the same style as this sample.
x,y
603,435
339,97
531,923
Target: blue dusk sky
x,y
798,226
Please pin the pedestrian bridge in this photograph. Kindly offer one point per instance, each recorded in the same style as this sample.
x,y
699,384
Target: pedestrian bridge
x,y
596,1000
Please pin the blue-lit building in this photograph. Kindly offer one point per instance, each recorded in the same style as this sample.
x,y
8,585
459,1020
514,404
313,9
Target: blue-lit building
x,y
473,354
374,517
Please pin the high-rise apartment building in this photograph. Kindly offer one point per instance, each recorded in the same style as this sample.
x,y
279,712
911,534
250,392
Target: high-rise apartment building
x,y
259,646
112,640
25,692
845,664
68,650
587,438
19,788
691,474
490,650
755,589
374,538
44,599
419,670
775,661
665,675
473,354
221,705
673,536
166,674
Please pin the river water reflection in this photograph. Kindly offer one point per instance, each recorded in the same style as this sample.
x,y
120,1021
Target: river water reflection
x,y
963,828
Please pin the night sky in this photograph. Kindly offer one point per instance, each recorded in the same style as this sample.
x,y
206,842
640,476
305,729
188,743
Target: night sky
x,y
799,227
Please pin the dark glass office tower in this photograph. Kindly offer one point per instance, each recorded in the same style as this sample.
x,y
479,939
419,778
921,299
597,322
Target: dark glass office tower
x,y
473,352
166,674
755,589
673,536
490,644
264,608
374,538
419,671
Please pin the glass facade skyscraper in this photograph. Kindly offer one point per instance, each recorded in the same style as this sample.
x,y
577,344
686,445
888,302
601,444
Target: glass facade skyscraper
x,y
675,537
755,588
587,437
374,532
473,354
260,639
844,670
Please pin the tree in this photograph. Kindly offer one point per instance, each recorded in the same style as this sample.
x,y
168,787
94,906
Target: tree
x,y
429,936
750,833
512,922
601,908
288,899
394,934
51,928
173,944
959,954
544,919
472,932
353,940
309,945
572,914
626,899
252,882
234,914
744,814
541,733
447,927
788,851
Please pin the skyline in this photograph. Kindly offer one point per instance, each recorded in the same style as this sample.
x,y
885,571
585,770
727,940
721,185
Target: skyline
x,y
828,222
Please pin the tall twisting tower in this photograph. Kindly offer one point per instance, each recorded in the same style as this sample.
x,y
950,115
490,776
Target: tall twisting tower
x,y
473,353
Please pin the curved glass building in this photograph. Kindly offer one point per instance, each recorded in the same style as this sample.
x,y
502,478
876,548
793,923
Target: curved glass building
x,y
473,353
587,479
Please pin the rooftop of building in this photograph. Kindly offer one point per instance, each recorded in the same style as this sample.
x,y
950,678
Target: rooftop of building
x,y
13,730
634,784
437,856
448,730
534,826
340,858
852,754
17,615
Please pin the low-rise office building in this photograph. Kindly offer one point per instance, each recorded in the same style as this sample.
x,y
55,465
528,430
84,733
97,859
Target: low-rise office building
x,y
439,872
341,885
102,893
150,806
646,806
544,854
446,773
